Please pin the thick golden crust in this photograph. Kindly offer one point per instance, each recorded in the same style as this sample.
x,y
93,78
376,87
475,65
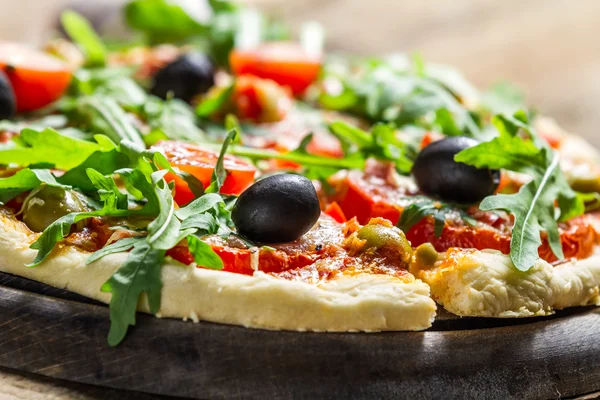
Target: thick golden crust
x,y
486,284
356,303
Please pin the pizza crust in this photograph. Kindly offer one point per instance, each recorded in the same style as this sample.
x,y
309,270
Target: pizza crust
x,y
486,284
357,303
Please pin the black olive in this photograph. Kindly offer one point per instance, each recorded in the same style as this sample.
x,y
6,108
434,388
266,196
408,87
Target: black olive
x,y
8,103
189,75
277,209
438,175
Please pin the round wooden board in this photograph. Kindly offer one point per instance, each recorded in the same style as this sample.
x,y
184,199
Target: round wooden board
x,y
55,333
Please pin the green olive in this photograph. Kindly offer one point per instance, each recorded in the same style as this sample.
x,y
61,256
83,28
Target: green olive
x,y
586,184
46,204
387,238
426,255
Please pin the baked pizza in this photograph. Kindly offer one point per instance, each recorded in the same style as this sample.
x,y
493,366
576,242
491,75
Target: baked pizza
x,y
215,171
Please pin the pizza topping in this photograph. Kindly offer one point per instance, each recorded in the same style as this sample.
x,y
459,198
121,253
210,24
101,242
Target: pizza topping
x,y
200,163
37,78
425,256
186,77
379,235
285,63
279,208
438,175
534,205
8,105
46,204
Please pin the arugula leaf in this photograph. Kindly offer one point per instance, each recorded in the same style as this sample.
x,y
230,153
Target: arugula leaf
x,y
219,173
203,254
106,116
25,180
174,118
49,147
113,248
103,162
424,207
163,232
199,206
107,190
52,235
383,93
124,90
215,102
139,274
534,205
162,21
381,143
503,98
82,33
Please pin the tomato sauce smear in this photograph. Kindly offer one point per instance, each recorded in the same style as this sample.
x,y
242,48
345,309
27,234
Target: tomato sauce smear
x,y
367,195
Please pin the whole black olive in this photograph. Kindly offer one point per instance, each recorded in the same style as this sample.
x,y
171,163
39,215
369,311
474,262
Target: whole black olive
x,y
277,209
8,103
438,175
189,75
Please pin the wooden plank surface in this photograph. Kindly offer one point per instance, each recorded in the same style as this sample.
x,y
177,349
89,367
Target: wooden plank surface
x,y
537,358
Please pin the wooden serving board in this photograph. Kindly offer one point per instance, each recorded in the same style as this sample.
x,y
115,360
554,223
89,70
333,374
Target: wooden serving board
x,y
58,334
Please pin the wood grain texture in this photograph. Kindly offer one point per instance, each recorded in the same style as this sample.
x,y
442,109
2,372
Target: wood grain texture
x,y
65,339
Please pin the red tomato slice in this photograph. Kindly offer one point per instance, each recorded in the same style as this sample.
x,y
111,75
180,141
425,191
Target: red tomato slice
x,y
200,163
284,62
37,78
335,211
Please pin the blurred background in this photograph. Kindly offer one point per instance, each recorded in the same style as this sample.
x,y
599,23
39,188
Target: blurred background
x,y
549,48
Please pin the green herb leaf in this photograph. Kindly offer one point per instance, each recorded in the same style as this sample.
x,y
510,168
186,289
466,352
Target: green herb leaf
x,y
199,206
381,143
204,255
215,102
113,248
25,180
82,33
174,118
162,21
106,116
424,207
219,173
139,274
48,147
534,205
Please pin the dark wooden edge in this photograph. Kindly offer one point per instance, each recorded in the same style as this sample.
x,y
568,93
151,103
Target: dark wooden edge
x,y
66,339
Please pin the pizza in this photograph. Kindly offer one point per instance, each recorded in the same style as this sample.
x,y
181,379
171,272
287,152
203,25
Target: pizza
x,y
255,181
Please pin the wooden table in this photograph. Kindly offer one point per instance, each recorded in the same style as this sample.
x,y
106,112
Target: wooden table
x,y
549,47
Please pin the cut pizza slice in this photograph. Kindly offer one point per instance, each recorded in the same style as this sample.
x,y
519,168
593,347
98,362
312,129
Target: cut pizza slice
x,y
329,280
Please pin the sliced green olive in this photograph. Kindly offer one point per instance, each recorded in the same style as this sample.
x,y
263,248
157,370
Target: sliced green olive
x,y
586,184
425,256
47,204
388,238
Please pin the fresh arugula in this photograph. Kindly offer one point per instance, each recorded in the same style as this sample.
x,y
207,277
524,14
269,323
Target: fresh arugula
x,y
382,92
163,21
381,143
534,205
49,147
24,180
142,173
82,33
104,115
139,274
173,118
422,207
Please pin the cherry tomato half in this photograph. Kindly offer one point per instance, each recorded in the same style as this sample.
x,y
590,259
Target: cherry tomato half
x,y
284,62
200,163
37,78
